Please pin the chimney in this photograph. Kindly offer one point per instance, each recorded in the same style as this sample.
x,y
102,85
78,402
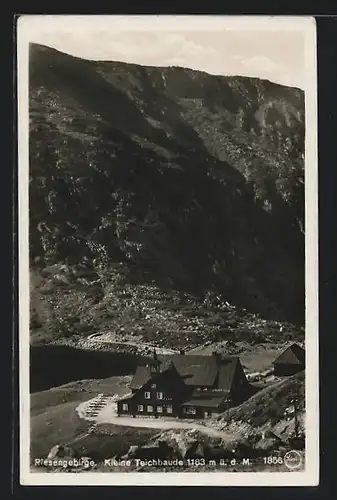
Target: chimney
x,y
182,352
155,362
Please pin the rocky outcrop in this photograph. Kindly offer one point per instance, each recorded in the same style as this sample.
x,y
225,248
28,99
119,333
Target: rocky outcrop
x,y
159,449
60,451
193,444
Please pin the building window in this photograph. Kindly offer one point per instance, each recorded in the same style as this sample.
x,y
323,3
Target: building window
x,y
169,408
160,395
154,386
159,409
150,408
125,407
147,395
190,410
140,407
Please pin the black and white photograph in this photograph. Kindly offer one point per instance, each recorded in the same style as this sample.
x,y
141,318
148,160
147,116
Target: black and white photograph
x,y
168,250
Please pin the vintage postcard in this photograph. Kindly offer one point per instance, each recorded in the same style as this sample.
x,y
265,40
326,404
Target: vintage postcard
x,y
168,282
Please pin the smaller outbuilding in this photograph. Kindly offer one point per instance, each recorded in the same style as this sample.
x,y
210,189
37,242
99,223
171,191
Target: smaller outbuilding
x,y
291,361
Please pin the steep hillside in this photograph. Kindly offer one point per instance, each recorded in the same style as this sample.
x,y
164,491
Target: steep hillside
x,y
268,407
189,182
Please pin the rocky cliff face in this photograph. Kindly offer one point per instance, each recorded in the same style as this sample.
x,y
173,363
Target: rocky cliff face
x,y
189,181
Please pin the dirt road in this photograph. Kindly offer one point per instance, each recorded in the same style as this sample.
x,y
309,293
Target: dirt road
x,y
160,423
107,338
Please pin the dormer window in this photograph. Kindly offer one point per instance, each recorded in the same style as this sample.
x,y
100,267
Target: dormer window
x,y
153,386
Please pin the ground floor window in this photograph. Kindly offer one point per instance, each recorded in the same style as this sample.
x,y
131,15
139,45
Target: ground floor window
x,y
149,408
159,409
140,407
125,407
169,408
190,410
208,413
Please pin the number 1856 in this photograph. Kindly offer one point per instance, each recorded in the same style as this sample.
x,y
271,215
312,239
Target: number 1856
x,y
273,460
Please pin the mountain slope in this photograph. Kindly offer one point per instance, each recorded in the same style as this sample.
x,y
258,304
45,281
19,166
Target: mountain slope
x,y
189,181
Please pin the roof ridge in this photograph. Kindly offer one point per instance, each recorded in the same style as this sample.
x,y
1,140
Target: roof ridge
x,y
196,370
294,350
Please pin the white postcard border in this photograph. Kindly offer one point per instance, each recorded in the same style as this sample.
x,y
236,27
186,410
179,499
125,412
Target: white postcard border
x,y
310,477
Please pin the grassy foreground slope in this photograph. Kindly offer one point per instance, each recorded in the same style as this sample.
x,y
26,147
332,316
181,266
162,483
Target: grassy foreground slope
x,y
53,412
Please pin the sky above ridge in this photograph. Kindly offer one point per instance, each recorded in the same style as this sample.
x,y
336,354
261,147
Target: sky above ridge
x,y
272,51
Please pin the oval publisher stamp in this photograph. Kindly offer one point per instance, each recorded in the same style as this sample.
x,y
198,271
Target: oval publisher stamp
x,y
293,459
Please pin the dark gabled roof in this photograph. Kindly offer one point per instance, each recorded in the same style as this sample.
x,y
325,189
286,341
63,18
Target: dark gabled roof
x,y
209,399
195,370
226,372
166,365
141,377
293,355
144,374
199,371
